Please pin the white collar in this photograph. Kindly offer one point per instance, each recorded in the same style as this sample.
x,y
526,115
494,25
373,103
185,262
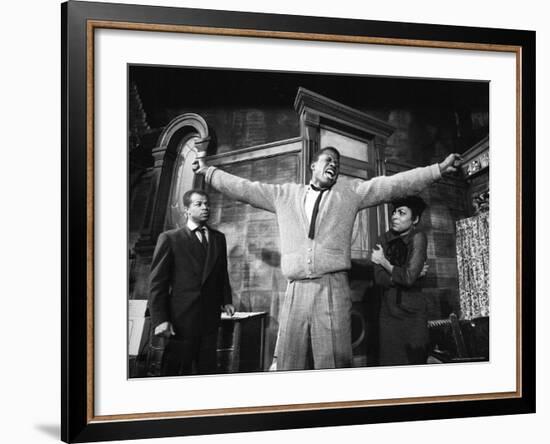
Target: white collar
x,y
318,190
193,225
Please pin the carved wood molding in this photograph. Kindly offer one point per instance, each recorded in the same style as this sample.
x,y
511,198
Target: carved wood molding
x,y
271,149
476,158
332,111
165,154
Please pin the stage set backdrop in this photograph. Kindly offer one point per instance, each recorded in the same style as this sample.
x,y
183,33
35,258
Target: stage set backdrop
x,y
267,126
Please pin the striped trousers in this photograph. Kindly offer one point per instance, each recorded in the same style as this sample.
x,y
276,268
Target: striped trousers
x,y
315,324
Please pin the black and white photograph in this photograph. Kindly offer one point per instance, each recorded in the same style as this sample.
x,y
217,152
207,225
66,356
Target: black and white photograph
x,y
275,222
285,221
281,222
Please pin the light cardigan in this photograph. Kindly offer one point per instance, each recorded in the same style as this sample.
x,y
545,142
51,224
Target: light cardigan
x,y
330,250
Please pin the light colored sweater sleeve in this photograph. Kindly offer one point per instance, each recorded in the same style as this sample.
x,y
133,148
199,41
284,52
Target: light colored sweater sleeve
x,y
258,194
386,188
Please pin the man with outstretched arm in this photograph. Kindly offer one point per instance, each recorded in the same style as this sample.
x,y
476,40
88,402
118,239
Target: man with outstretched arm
x,y
315,225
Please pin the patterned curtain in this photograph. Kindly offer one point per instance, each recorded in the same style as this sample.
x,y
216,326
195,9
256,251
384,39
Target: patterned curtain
x,y
472,253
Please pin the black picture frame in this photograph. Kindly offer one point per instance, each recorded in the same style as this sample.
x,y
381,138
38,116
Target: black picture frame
x,y
79,19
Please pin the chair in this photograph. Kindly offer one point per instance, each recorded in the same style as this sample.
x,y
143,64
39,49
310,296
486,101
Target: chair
x,y
447,336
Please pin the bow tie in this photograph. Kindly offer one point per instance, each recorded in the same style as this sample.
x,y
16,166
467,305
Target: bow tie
x,y
315,188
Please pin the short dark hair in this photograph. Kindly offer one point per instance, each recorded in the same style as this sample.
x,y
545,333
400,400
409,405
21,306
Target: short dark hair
x,y
187,196
415,203
324,150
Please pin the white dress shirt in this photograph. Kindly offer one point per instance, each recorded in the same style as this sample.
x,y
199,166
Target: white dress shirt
x,y
311,197
193,226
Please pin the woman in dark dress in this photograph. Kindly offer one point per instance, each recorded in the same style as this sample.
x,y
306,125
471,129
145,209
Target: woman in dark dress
x,y
399,261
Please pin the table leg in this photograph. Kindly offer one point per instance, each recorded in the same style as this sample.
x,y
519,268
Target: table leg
x,y
262,351
235,356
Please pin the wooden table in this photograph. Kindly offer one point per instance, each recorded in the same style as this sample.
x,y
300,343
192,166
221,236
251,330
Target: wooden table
x,y
241,340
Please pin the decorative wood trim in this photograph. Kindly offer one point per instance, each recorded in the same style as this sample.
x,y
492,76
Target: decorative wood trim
x,y
474,150
256,152
157,27
90,220
188,119
476,154
310,102
519,221
311,407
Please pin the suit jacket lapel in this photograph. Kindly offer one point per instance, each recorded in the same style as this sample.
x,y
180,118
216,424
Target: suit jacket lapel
x,y
211,255
195,247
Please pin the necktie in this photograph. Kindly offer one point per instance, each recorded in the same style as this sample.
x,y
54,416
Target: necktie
x,y
316,188
202,235
311,234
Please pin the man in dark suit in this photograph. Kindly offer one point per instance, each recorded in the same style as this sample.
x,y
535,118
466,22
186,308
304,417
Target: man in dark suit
x,y
189,286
